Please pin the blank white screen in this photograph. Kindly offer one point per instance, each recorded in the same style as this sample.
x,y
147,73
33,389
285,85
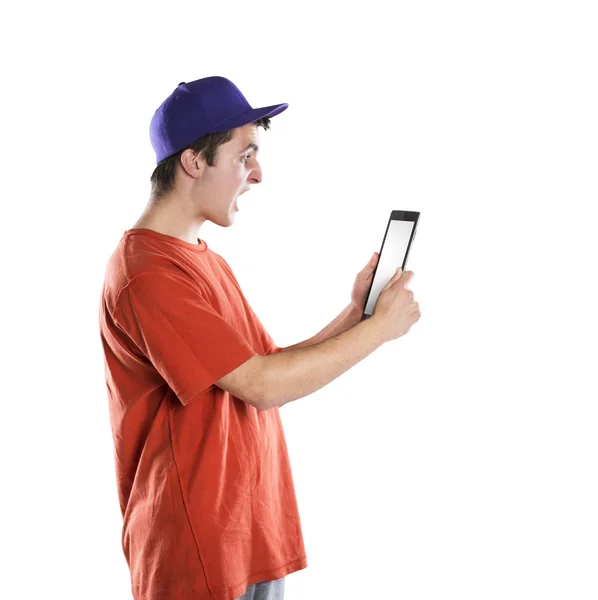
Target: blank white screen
x,y
391,258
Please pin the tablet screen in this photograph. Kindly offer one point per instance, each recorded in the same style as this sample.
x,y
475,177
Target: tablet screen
x,y
392,256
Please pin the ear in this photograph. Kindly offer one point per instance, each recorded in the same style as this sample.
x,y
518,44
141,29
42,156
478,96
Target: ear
x,y
193,163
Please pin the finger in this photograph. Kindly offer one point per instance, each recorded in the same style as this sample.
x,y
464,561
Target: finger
x,y
368,270
406,278
394,278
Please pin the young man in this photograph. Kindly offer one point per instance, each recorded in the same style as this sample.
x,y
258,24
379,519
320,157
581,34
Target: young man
x,y
194,380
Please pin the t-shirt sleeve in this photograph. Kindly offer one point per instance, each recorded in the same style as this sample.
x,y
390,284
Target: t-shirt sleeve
x,y
266,338
190,344
274,349
269,343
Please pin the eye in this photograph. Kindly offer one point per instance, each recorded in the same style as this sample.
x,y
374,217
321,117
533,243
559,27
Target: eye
x,y
245,158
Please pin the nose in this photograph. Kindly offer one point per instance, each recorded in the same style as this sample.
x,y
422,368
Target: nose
x,y
256,174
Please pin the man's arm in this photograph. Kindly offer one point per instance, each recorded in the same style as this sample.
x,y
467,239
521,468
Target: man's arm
x,y
299,370
286,376
347,319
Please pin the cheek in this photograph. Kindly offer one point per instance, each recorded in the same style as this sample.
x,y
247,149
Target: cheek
x,y
230,178
240,173
235,171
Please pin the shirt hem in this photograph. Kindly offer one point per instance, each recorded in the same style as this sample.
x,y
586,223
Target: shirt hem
x,y
232,593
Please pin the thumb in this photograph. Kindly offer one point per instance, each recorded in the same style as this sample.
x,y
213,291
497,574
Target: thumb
x,y
368,270
394,278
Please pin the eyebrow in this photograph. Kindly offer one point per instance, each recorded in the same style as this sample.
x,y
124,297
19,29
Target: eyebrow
x,y
251,146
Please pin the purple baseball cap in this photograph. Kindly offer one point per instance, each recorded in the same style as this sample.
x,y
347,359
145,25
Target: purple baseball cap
x,y
208,105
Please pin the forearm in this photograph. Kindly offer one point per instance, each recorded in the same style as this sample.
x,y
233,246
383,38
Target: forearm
x,y
294,374
349,317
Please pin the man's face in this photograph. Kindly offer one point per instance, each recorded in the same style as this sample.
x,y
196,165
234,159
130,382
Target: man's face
x,y
236,168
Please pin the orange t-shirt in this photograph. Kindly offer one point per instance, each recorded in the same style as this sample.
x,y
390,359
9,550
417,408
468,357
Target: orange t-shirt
x,y
204,479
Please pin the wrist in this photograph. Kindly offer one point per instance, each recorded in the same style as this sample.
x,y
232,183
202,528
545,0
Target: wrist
x,y
355,309
376,326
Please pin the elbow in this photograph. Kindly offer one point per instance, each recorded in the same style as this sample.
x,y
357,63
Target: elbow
x,y
267,395
265,399
264,402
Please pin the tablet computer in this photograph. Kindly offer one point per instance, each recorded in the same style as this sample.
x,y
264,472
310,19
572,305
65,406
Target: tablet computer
x,y
398,237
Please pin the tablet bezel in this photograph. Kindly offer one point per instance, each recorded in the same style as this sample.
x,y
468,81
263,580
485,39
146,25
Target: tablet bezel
x,y
395,215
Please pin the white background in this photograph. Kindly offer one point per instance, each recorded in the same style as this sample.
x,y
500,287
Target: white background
x,y
458,461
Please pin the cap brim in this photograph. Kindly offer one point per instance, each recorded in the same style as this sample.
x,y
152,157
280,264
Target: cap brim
x,y
249,116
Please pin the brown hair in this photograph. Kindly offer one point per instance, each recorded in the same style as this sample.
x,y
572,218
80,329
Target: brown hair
x,y
162,179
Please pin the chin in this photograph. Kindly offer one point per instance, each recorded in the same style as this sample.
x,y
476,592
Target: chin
x,y
227,221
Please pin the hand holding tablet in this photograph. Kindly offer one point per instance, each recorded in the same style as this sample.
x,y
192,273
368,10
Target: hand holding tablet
x,y
388,298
